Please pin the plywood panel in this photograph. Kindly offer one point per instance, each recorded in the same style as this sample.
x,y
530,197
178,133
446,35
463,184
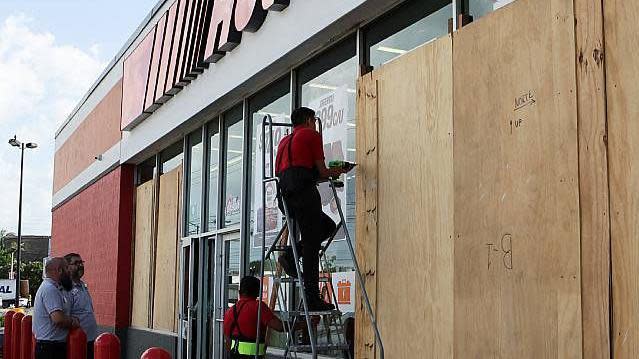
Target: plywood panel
x,y
415,211
517,239
622,79
366,208
593,179
142,254
164,299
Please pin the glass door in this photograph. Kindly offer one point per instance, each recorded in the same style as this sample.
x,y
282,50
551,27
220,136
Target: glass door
x,y
212,344
226,274
188,313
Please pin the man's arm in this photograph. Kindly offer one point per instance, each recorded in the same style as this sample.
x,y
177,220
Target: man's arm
x,y
64,321
317,150
53,303
325,173
276,324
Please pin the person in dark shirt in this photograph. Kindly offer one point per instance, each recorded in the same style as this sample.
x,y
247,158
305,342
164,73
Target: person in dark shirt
x,y
240,322
299,164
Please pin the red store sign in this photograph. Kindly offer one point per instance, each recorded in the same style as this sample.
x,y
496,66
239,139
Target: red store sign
x,y
188,37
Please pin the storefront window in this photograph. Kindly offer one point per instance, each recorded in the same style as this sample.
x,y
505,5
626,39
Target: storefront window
x,y
406,28
232,271
328,86
194,190
480,8
145,171
234,139
275,101
214,174
172,157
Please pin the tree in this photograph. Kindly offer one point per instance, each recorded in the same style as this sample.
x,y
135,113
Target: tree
x,y
31,271
6,248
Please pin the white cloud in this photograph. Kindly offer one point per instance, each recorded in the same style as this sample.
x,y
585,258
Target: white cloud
x,y
40,83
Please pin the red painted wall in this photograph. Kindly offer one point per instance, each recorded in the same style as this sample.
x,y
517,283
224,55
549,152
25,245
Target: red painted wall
x,y
97,224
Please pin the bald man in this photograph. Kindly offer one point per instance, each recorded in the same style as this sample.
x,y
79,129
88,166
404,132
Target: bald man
x,y
51,317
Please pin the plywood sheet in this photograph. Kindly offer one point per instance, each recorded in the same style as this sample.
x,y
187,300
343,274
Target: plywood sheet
x,y
415,211
164,299
142,254
517,239
593,179
622,78
366,208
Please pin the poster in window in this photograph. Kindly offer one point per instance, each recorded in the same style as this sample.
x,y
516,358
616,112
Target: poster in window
x,y
332,109
343,286
274,220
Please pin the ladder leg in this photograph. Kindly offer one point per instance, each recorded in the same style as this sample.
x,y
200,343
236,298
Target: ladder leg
x,y
358,274
301,280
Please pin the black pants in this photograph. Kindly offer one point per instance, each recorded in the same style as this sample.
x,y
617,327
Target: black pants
x,y
305,207
240,356
90,349
50,350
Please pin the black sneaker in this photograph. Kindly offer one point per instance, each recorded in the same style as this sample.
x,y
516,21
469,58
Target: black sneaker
x,y
317,304
287,262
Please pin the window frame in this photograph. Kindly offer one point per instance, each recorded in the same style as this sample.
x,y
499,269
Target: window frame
x,y
398,19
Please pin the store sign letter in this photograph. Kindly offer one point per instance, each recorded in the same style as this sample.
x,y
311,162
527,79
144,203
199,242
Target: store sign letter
x,y
197,30
275,5
249,15
223,36
230,18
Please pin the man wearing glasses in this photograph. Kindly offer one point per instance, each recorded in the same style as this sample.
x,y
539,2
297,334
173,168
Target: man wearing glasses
x,y
81,303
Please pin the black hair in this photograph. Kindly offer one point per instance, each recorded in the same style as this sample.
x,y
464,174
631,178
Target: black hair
x,y
70,256
301,115
250,286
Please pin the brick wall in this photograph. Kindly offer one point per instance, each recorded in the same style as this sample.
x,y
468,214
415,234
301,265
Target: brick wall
x,y
97,224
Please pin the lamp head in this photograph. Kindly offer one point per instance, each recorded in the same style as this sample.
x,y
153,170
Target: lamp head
x,y
31,145
14,142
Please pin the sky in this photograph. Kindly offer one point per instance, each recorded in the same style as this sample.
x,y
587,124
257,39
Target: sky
x,y
51,52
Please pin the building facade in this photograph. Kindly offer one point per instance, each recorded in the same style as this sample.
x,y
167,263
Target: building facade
x,y
158,169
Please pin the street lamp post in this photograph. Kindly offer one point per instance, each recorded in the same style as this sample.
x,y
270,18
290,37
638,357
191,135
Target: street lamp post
x,y
15,143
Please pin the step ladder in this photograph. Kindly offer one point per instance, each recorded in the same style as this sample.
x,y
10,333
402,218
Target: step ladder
x,y
294,308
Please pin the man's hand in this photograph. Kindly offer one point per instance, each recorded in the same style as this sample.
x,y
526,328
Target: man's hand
x,y
348,166
64,321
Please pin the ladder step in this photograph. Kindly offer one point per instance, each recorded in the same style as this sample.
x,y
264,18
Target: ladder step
x,y
296,280
278,248
319,347
297,313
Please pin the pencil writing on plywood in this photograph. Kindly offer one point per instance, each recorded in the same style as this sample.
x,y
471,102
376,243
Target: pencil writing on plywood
x,y
518,123
502,251
524,100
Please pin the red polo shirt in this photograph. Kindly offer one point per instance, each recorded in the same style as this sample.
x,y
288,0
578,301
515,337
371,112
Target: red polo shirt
x,y
247,318
306,148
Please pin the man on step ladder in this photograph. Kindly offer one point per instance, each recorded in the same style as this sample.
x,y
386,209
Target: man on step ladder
x,y
299,165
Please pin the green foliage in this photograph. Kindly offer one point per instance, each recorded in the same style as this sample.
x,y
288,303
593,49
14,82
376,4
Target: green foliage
x,y
33,272
29,270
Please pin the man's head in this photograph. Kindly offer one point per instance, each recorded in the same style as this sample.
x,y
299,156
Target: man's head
x,y
250,287
57,270
303,116
76,266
